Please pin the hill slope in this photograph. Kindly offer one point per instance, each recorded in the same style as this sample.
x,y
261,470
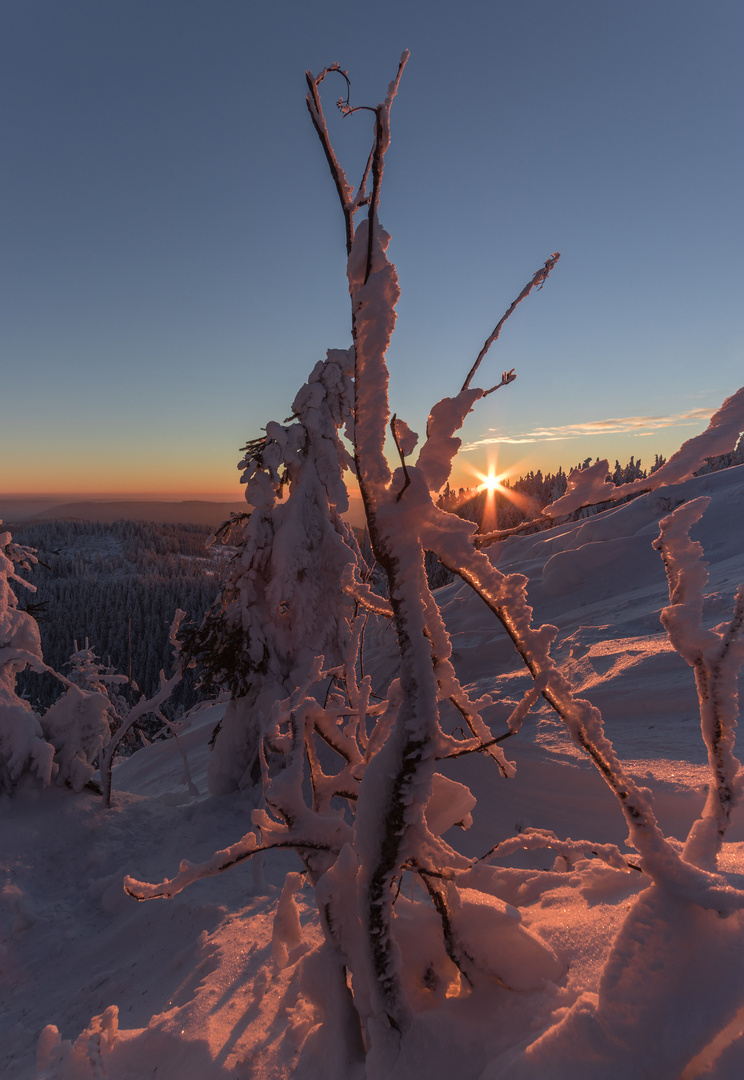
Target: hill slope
x,y
202,991
190,512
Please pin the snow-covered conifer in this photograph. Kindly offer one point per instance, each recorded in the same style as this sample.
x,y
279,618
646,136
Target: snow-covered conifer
x,y
280,605
89,673
77,726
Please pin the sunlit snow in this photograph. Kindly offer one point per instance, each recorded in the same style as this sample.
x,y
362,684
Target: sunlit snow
x,y
210,985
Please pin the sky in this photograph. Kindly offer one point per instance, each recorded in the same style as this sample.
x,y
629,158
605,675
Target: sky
x,y
172,259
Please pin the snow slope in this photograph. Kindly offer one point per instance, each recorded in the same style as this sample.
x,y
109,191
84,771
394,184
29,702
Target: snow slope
x,y
206,988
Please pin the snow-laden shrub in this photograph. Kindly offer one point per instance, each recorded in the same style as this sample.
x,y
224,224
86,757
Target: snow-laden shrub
x,y
23,748
67,739
351,781
87,672
77,725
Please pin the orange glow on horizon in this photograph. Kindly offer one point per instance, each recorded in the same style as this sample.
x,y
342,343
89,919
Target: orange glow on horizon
x,y
123,495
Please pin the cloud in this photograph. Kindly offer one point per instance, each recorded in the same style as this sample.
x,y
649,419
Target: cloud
x,y
636,425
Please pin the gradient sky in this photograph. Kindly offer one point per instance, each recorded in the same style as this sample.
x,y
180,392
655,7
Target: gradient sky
x,y
171,247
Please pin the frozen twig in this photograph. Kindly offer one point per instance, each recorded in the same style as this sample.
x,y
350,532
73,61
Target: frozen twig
x,y
396,439
315,108
506,378
536,282
363,594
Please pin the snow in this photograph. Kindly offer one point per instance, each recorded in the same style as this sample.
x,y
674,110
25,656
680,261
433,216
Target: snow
x,y
213,985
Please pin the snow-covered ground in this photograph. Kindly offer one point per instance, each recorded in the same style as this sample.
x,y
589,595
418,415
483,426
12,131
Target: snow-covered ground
x,y
206,988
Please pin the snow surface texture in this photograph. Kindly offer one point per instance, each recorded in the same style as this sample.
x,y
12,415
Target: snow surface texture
x,y
210,985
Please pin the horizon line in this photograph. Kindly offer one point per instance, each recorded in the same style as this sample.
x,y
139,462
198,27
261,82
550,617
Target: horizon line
x,y
116,496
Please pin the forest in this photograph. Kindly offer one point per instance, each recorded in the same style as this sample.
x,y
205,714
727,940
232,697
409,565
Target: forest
x,y
116,587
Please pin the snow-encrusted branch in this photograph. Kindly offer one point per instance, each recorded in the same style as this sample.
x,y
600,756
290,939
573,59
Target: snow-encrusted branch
x,y
218,863
506,597
586,487
544,839
495,535
364,594
716,657
447,417
381,144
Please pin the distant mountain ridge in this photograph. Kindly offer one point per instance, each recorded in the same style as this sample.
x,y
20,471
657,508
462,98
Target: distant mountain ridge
x,y
189,512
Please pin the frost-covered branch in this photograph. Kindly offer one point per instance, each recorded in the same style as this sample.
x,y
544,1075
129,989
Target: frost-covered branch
x,y
218,863
536,282
544,839
506,378
379,149
506,597
716,657
587,487
495,535
315,108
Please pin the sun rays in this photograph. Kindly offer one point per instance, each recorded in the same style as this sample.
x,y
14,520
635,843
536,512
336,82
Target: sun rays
x,y
490,489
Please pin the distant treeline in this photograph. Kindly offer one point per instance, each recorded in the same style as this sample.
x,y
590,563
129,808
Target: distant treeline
x,y
118,585
525,498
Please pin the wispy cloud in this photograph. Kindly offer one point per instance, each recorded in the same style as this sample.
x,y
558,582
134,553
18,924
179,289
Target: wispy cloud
x,y
624,425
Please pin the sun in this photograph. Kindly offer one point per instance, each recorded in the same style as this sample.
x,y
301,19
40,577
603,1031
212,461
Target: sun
x,y
490,483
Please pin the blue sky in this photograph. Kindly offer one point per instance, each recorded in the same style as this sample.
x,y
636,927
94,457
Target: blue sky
x,y
171,248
